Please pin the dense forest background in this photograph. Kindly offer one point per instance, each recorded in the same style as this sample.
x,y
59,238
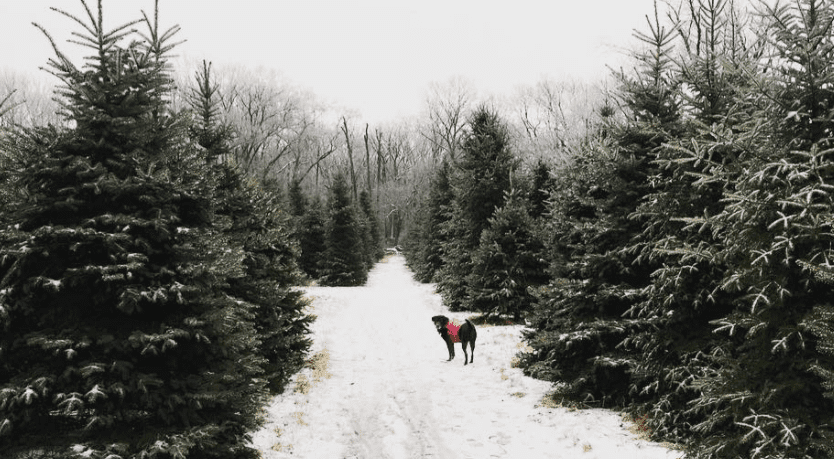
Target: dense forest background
x,y
665,233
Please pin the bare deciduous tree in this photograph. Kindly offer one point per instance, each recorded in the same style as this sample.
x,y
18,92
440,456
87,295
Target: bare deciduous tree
x,y
27,100
346,131
448,104
551,116
316,146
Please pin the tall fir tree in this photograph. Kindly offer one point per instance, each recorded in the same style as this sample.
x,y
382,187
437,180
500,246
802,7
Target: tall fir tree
x,y
765,395
297,200
119,339
254,221
313,239
308,229
261,228
541,189
426,238
820,323
344,258
6,186
371,235
684,295
580,334
479,177
508,262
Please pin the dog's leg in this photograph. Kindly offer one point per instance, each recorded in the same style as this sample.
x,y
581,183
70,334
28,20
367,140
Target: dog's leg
x,y
472,343
451,346
465,354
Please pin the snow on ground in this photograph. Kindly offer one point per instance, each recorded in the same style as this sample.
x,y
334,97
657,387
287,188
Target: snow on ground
x,y
381,388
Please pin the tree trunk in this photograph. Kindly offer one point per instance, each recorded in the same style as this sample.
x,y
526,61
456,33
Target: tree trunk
x,y
380,165
368,161
350,157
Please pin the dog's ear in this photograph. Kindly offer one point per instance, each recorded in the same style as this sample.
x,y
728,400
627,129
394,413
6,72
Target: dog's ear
x,y
442,320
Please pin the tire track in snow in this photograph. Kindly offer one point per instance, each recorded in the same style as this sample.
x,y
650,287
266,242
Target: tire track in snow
x,y
392,395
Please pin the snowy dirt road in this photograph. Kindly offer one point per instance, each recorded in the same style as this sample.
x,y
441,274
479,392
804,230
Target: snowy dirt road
x,y
382,388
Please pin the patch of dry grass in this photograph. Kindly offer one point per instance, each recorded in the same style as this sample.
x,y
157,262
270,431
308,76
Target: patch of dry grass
x,y
319,365
319,369
302,385
523,348
280,447
554,399
299,418
638,426
550,401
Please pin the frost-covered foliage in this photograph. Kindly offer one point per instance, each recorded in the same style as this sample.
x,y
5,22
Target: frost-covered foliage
x,y
580,329
308,229
252,219
710,297
344,261
426,237
508,262
340,244
479,178
578,321
765,397
685,295
369,226
122,335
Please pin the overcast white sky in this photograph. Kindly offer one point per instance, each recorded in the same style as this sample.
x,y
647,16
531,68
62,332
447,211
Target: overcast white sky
x,y
377,56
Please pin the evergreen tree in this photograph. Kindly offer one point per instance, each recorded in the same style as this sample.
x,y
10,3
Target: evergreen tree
x,y
119,339
765,394
9,190
508,262
206,128
297,201
6,186
820,323
426,239
580,334
260,227
312,238
684,295
479,178
309,230
372,238
257,225
344,260
542,185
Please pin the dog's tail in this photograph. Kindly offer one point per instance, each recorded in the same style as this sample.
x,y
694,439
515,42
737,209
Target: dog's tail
x,y
473,331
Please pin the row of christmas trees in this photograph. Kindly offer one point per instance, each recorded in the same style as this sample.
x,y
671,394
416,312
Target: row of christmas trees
x,y
339,243
146,300
689,241
475,233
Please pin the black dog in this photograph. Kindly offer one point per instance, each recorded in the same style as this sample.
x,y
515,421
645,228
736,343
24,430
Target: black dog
x,y
465,335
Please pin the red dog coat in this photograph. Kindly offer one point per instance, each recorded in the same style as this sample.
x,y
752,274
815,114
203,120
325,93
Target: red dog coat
x,y
453,332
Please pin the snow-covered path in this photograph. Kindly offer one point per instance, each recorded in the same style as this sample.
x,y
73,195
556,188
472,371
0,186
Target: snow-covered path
x,y
388,392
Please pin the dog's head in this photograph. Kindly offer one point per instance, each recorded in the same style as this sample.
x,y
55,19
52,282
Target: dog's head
x,y
440,322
